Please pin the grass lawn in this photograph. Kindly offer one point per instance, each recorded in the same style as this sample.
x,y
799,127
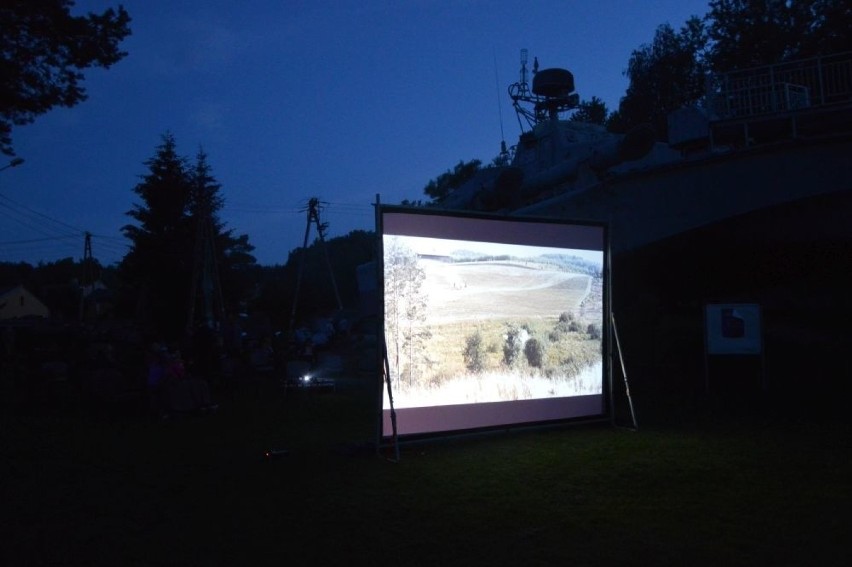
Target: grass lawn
x,y
131,490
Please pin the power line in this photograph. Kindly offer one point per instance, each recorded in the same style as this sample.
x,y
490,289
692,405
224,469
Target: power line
x,y
59,237
33,240
33,224
42,215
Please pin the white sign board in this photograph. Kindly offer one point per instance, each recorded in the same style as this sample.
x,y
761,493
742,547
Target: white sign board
x,y
733,328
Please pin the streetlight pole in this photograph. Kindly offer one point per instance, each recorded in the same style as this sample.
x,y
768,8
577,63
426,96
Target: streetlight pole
x,y
14,163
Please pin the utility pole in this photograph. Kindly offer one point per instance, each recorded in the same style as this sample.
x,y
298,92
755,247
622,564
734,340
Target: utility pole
x,y
205,274
313,211
87,282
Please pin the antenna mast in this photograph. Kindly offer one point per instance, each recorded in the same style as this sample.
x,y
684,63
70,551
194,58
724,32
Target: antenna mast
x,y
313,217
504,153
552,93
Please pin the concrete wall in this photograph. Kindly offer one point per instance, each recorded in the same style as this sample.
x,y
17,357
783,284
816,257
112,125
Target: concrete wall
x,y
645,207
769,226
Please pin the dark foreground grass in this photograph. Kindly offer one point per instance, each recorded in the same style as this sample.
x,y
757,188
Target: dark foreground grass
x,y
128,490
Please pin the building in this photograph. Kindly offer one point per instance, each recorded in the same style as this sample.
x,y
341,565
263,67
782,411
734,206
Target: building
x,y
19,303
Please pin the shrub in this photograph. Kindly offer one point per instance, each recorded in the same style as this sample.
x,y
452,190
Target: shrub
x,y
474,353
567,324
534,351
594,331
512,344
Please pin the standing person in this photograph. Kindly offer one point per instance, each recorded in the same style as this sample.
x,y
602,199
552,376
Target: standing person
x,y
206,355
308,353
157,391
175,368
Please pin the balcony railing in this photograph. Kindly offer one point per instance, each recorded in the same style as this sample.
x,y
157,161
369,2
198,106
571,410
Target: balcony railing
x,y
807,83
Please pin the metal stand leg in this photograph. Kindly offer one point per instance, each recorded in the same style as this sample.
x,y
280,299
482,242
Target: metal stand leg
x,y
624,373
390,400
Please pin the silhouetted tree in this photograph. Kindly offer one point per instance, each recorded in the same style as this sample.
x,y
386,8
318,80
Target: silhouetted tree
x,y
664,76
159,267
232,253
591,111
748,34
449,181
735,34
43,49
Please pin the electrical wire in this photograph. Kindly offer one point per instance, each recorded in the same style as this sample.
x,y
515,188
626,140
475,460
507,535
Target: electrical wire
x,y
28,221
35,213
59,238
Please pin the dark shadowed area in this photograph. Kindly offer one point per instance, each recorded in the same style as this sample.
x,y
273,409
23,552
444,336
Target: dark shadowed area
x,y
699,485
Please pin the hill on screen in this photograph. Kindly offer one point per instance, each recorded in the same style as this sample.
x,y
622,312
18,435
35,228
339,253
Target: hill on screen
x,y
569,262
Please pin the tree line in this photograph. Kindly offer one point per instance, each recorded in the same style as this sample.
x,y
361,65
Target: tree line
x,y
672,70
181,253
44,51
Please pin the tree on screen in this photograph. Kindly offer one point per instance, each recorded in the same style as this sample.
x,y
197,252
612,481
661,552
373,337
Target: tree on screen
x,y
405,310
44,51
474,353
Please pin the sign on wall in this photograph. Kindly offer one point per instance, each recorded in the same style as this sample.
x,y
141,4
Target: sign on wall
x,y
733,328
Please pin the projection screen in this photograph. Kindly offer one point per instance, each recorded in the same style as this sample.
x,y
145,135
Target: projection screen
x,y
491,321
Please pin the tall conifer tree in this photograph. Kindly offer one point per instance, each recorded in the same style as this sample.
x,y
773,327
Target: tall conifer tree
x,y
159,262
163,259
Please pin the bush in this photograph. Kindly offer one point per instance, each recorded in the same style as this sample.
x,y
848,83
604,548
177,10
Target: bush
x,y
534,351
474,353
594,331
512,345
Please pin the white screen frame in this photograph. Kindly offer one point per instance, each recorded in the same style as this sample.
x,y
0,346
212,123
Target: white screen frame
x,y
415,422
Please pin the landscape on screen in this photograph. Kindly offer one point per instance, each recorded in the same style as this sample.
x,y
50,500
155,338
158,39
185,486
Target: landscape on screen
x,y
473,322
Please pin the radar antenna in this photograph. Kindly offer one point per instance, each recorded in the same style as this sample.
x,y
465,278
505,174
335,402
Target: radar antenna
x,y
552,92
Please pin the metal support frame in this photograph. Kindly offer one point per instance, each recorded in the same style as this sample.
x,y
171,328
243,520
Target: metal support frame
x,y
623,373
383,362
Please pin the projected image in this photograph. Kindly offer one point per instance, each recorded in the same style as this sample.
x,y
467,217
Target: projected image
x,y
491,321
474,322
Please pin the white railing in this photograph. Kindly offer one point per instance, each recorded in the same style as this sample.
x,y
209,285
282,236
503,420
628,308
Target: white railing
x,y
784,87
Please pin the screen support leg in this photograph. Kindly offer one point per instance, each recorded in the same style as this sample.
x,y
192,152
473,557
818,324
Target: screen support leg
x,y
386,365
624,372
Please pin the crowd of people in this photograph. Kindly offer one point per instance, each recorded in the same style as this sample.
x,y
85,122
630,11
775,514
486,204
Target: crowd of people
x,y
119,370
171,388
